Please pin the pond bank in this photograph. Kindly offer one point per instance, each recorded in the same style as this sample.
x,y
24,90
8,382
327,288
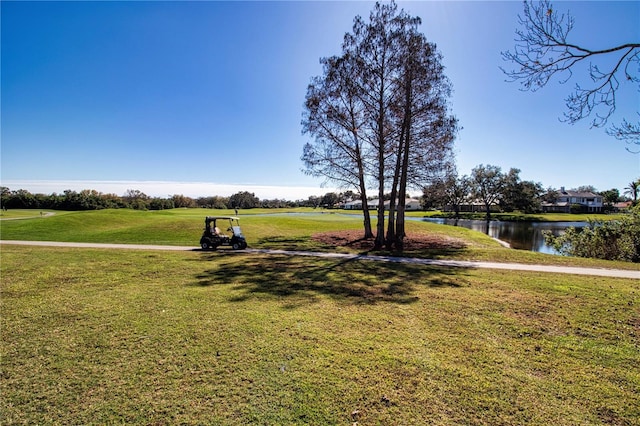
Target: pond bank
x,y
519,235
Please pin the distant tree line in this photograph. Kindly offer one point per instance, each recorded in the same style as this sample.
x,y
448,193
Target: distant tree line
x,y
89,199
506,192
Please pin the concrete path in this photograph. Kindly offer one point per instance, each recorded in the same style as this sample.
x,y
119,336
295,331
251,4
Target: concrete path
x,y
614,273
48,214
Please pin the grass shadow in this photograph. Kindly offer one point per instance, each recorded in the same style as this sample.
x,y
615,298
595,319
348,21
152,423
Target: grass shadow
x,y
302,279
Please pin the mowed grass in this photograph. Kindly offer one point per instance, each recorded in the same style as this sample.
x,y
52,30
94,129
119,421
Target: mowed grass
x,y
173,227
289,229
94,336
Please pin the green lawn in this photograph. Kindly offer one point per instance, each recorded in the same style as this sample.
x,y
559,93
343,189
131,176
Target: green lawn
x,y
98,336
263,229
143,337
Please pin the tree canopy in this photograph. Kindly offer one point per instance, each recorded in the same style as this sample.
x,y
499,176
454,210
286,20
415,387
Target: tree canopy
x,y
379,115
487,183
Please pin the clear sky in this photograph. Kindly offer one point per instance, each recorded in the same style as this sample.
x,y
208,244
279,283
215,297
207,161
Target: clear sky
x,y
206,98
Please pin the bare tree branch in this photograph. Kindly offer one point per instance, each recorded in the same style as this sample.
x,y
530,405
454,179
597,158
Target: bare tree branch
x,y
543,51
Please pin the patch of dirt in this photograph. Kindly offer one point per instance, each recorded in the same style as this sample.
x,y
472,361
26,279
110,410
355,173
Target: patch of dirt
x,y
353,239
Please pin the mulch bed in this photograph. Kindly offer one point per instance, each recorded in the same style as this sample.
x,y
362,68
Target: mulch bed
x,y
354,240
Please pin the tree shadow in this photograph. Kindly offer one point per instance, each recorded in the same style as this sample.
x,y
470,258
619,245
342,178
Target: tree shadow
x,y
420,245
282,243
302,281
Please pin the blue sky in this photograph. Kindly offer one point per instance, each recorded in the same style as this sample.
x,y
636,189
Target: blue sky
x,y
206,98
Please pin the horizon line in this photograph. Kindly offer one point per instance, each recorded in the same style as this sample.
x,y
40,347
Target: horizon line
x,y
163,188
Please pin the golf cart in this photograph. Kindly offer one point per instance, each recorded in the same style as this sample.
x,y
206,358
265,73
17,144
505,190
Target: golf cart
x,y
212,237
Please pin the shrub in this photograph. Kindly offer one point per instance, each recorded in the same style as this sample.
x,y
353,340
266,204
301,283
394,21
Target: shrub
x,y
576,208
611,240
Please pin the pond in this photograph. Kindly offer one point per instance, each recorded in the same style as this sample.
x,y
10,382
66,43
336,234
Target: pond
x,y
519,235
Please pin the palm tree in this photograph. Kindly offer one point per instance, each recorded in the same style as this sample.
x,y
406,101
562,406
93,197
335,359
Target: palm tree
x,y
632,190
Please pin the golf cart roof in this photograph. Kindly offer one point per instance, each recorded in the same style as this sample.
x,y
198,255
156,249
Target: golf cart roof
x,y
222,217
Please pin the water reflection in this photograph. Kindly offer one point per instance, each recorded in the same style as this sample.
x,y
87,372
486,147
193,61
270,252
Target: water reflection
x,y
519,235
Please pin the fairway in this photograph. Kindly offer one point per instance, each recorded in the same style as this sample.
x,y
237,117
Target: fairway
x,y
148,337
288,229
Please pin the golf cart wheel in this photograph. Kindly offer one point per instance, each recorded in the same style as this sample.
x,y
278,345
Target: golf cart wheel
x,y
236,246
204,245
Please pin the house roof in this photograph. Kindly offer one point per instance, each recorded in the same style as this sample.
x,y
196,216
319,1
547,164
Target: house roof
x,y
623,204
577,194
375,202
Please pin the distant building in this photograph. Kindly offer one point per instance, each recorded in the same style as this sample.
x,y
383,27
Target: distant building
x,y
410,204
624,205
475,206
586,202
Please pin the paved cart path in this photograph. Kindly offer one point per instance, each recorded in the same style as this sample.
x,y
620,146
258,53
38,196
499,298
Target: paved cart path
x,y
615,273
28,217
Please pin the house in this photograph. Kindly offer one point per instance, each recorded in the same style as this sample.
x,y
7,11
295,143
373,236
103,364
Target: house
x,y
568,201
474,206
623,205
410,204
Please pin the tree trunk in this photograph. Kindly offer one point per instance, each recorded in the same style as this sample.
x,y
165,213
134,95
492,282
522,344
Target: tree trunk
x,y
402,193
402,196
404,162
391,227
379,242
400,234
381,142
368,232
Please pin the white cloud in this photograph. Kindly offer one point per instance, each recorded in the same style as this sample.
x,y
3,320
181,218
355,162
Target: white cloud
x,y
166,189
